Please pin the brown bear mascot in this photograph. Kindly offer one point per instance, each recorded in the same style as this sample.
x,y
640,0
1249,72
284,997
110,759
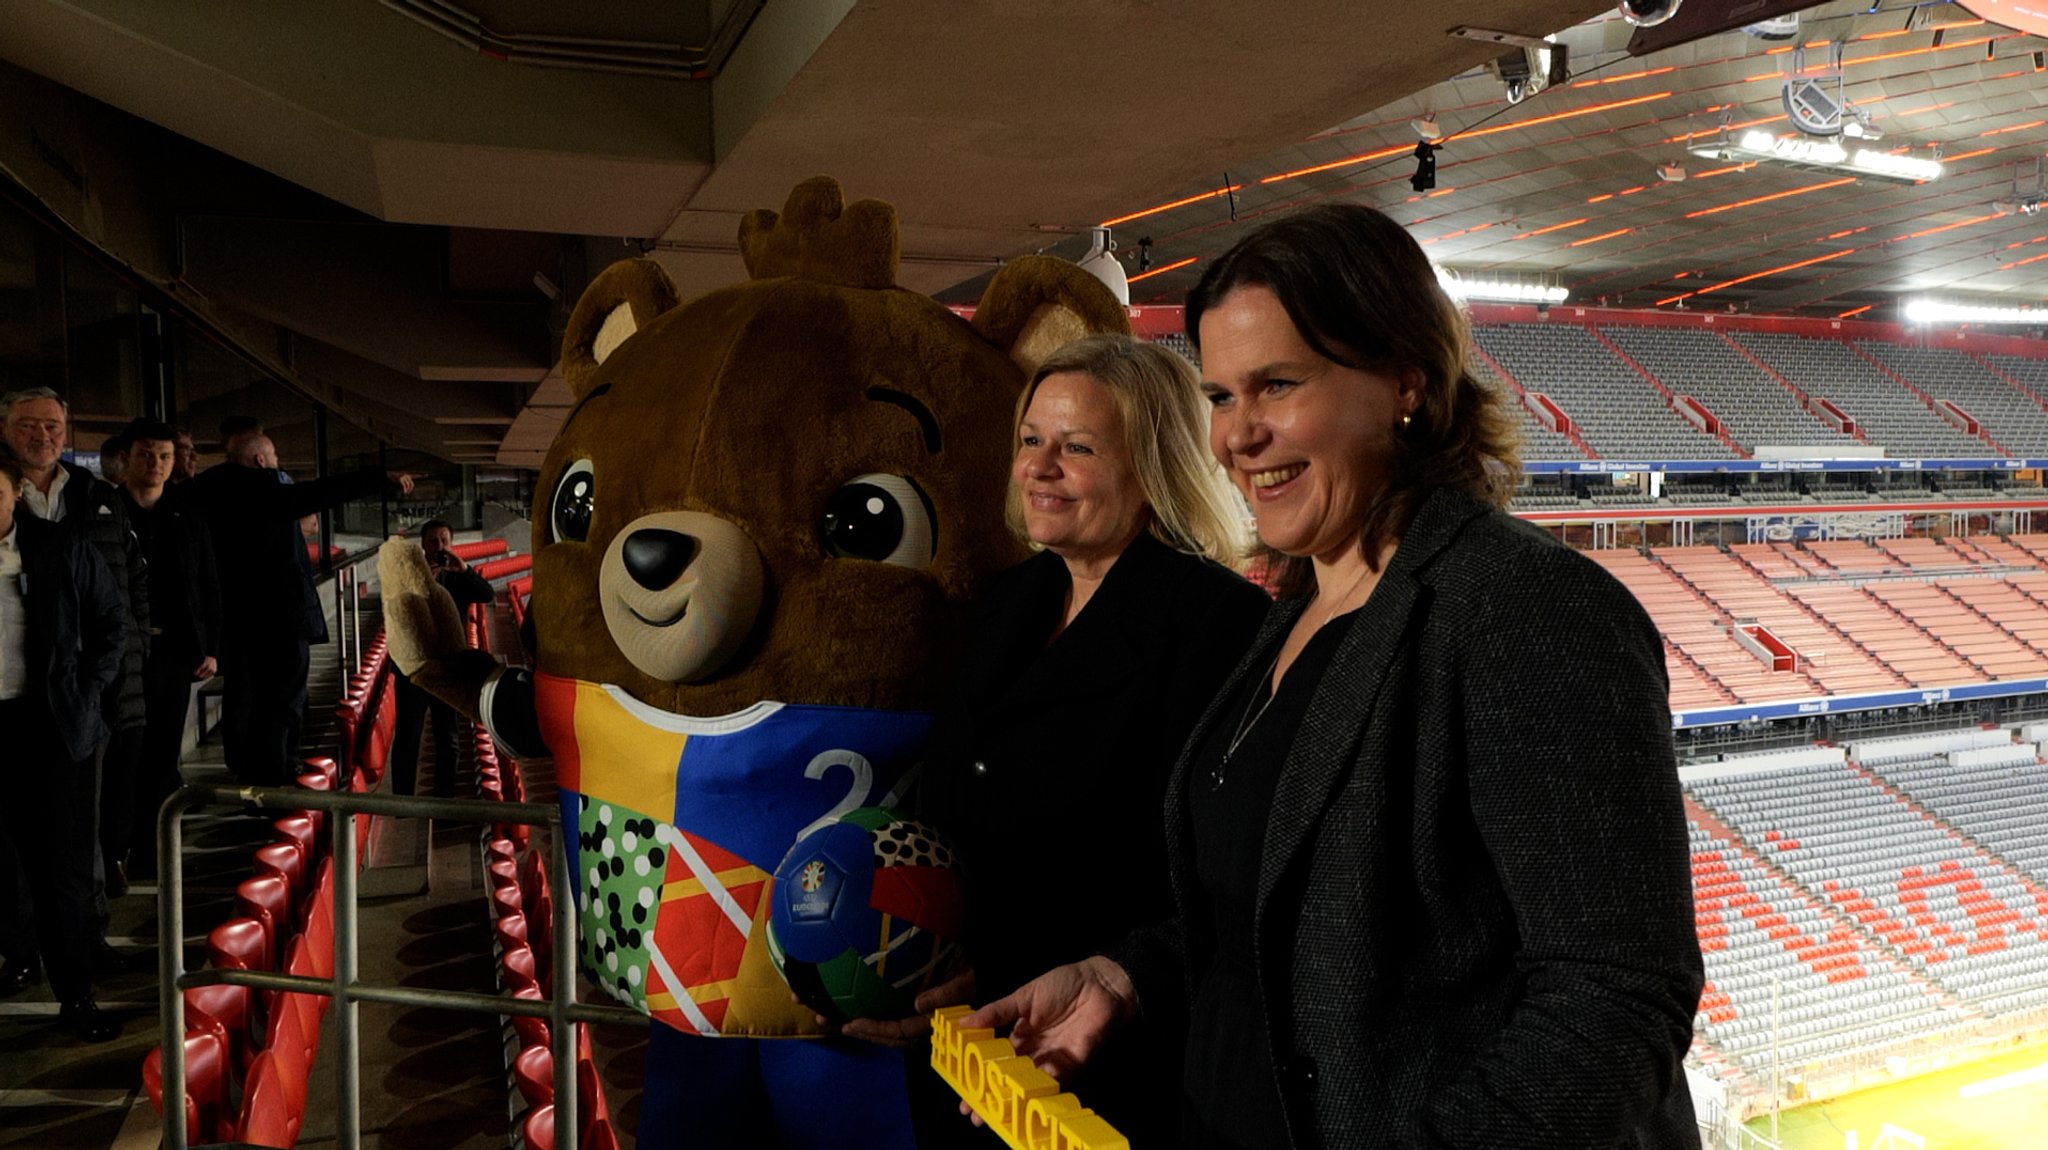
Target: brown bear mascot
x,y
756,535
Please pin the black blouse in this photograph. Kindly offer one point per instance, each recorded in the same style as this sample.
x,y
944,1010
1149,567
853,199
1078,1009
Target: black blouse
x,y
1231,1096
1047,771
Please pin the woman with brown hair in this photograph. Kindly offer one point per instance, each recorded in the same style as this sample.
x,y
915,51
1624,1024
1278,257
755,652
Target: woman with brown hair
x,y
1427,845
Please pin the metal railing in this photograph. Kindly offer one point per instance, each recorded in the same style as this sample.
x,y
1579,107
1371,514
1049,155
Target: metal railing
x,y
348,616
560,1010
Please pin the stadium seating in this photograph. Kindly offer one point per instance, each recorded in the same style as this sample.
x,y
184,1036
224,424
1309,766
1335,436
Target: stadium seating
x,y
1538,441
1887,414
1955,915
1753,407
1763,939
1999,797
1616,411
1735,582
2011,417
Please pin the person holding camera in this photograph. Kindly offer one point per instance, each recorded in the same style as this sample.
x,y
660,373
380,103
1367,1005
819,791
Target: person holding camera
x,y
437,539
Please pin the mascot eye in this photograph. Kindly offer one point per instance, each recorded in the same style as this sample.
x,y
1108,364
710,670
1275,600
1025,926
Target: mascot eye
x,y
573,502
885,518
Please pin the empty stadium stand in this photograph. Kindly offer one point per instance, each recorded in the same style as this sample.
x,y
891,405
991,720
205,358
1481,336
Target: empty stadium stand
x,y
1889,415
2012,418
1754,407
1618,413
1961,918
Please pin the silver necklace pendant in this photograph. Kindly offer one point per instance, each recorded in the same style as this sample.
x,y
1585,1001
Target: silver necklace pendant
x,y
1247,721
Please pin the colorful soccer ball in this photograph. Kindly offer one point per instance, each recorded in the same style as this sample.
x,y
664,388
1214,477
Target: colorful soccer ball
x,y
865,915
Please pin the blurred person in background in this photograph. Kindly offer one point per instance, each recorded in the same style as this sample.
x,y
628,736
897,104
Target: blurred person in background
x,y
37,430
184,596
252,516
187,465
63,628
415,707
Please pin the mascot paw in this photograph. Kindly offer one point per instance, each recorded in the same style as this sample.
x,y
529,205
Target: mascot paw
x,y
425,631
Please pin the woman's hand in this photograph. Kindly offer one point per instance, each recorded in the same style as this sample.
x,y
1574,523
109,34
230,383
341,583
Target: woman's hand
x,y
1064,1016
955,991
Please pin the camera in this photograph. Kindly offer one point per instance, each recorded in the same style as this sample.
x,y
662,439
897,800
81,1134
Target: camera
x,y
1645,13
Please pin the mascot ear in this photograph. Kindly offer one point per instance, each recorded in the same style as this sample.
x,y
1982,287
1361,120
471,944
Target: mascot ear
x,y
622,300
1036,303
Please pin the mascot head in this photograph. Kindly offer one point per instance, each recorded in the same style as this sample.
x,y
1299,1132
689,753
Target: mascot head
x,y
785,489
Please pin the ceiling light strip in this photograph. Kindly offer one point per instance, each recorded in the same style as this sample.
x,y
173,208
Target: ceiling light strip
x,y
1158,271
1554,228
1946,227
1598,238
1180,203
1856,311
1383,153
1363,158
1624,76
2014,128
1767,199
1760,275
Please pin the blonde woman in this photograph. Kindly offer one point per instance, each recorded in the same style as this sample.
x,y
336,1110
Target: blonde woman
x,y
1086,668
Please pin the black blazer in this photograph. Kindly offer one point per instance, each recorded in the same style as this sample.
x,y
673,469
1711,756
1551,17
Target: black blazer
x,y
1474,924
261,558
1047,768
184,586
77,629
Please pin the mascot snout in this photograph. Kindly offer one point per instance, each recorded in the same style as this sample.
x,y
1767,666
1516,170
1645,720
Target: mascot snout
x,y
681,591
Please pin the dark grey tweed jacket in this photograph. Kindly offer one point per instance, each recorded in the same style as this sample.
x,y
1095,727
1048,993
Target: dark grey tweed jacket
x,y
1474,922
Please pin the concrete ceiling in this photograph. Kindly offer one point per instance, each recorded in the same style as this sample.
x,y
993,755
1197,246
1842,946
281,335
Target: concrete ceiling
x,y
1564,186
995,129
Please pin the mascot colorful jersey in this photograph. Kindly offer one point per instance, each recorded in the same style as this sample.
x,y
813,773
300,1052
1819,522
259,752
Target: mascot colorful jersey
x,y
758,528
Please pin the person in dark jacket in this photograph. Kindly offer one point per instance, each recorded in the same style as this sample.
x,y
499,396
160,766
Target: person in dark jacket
x,y
1084,671
184,594
62,629
437,539
37,429
274,611
1427,845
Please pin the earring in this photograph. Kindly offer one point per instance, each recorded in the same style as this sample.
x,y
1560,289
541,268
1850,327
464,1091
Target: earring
x,y
1406,419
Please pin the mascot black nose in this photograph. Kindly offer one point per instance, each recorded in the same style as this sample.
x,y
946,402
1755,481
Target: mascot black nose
x,y
655,557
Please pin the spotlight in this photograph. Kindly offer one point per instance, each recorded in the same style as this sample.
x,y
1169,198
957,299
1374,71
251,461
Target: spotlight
x,y
1646,13
1425,167
1429,129
1671,173
1513,70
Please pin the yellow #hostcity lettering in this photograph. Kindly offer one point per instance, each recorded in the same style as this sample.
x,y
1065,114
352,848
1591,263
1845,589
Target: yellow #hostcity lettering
x,y
1020,1102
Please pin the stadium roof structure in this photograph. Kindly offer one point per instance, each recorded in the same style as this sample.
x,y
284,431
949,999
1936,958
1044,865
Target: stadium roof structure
x,y
454,148
1565,187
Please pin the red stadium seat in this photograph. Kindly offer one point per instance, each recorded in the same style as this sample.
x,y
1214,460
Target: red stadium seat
x,y
267,898
538,1128
299,829
533,1071
239,944
206,1079
511,930
516,965
226,1007
267,1118
531,1031
286,860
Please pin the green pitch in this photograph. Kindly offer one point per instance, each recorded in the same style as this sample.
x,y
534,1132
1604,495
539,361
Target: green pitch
x,y
2014,1118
